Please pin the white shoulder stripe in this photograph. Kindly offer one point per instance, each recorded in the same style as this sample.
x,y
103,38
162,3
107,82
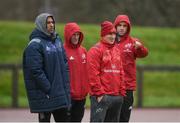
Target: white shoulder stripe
x,y
34,40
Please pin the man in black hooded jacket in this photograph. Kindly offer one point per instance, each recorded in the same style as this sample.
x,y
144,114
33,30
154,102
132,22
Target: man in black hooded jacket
x,y
46,70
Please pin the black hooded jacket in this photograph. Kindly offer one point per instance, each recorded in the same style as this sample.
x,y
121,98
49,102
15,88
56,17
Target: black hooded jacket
x,y
46,71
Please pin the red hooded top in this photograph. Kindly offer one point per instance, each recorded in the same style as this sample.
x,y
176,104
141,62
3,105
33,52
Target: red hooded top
x,y
77,60
105,70
129,53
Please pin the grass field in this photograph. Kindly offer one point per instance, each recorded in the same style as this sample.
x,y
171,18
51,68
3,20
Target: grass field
x,y
160,89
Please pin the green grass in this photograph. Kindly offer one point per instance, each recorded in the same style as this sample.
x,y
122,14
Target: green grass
x,y
163,44
160,89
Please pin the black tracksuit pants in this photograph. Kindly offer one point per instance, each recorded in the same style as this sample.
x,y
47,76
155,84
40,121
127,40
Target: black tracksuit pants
x,y
127,106
60,115
77,110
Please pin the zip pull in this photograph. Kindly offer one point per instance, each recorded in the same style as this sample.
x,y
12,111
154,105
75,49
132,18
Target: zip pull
x,y
47,96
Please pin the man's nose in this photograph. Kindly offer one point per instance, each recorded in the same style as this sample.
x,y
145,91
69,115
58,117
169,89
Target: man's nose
x,y
52,24
77,37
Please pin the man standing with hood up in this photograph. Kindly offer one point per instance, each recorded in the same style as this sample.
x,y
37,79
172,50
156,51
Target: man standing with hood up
x,y
130,48
77,60
46,70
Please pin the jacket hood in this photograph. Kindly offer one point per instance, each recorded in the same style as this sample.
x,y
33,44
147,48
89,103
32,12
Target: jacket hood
x,y
69,30
124,18
41,23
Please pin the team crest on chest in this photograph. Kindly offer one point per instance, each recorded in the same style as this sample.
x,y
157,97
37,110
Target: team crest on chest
x,y
83,58
127,47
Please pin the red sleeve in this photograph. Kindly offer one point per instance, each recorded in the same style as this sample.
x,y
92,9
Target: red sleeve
x,y
142,51
94,59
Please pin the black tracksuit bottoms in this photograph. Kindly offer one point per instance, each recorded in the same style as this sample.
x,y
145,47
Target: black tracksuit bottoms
x,y
127,106
60,115
77,110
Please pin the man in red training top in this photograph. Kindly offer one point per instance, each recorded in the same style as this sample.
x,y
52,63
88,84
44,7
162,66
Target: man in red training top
x,y
78,70
105,77
130,48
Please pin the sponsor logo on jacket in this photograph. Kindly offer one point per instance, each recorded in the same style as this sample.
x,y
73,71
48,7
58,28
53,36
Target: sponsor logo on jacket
x,y
71,58
113,70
